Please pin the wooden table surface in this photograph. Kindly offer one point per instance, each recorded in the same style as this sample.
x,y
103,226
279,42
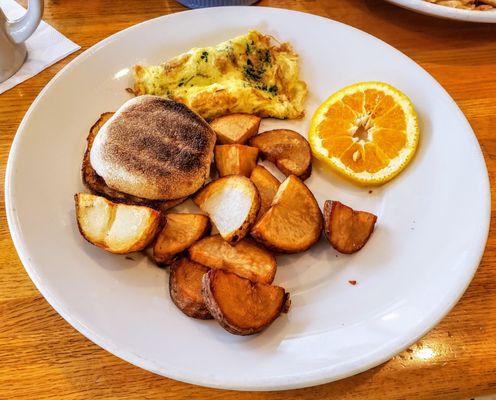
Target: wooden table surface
x,y
43,357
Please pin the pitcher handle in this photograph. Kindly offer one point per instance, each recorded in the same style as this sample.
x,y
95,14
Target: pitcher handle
x,y
22,28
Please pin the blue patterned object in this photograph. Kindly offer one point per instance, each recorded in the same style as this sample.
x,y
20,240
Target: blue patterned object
x,y
215,3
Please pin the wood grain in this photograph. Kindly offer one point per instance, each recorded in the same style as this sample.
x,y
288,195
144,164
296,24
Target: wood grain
x,y
42,357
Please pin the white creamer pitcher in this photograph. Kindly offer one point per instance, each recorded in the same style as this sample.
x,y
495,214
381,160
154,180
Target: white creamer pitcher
x,y
13,34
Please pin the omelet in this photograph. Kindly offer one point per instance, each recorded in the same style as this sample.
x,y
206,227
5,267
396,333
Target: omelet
x,y
247,74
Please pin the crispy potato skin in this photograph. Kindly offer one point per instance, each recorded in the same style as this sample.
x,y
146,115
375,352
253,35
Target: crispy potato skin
x,y
179,233
97,185
242,307
185,288
287,149
246,258
145,239
347,230
247,185
305,175
294,221
235,128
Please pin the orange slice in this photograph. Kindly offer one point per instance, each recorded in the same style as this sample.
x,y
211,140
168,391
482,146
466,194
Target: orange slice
x,y
367,132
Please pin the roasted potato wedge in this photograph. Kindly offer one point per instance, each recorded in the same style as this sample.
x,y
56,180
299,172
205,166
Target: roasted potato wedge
x,y
185,284
346,229
240,306
235,159
287,149
96,184
179,232
293,222
245,258
232,203
235,128
267,185
118,228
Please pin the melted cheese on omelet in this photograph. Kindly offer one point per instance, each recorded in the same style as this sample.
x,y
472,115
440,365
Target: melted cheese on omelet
x,y
246,74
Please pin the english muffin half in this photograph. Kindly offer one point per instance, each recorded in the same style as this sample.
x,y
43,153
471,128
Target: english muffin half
x,y
154,148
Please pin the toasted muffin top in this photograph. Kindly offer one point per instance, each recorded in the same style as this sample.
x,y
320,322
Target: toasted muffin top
x,y
154,148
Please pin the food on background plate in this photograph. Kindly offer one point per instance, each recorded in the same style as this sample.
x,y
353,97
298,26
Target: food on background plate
x,y
247,74
293,222
117,228
267,185
96,184
240,306
235,159
185,284
235,128
478,5
346,229
153,148
232,203
367,132
245,258
287,149
179,233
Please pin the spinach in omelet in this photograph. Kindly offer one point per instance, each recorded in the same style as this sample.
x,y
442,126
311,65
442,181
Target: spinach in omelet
x,y
246,74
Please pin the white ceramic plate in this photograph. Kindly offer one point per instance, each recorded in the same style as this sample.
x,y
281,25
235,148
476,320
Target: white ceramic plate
x,y
433,219
445,12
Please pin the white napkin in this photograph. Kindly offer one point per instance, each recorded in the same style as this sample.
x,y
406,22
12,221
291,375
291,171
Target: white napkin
x,y
45,47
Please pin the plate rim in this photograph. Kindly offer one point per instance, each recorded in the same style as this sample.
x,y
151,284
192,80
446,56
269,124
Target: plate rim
x,y
444,12
283,382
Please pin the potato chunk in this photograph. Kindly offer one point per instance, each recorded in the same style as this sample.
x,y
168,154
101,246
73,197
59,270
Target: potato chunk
x,y
235,128
185,284
245,258
240,306
235,159
267,185
179,232
118,228
232,203
287,149
346,229
293,222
